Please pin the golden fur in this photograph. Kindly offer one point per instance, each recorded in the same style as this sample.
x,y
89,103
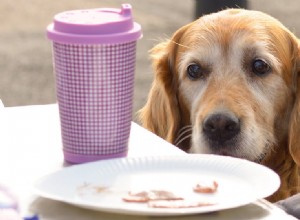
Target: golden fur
x,y
249,71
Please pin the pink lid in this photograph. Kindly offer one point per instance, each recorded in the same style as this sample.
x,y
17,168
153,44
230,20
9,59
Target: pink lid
x,y
95,26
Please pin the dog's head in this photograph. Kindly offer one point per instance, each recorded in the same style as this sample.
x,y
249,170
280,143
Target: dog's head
x,y
232,79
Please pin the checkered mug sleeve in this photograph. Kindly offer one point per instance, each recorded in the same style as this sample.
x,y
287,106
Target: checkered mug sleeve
x,y
94,84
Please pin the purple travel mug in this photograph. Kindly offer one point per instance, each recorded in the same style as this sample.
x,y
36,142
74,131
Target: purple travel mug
x,y
94,60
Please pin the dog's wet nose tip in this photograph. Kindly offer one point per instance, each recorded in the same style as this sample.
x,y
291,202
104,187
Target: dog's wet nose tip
x,y
221,127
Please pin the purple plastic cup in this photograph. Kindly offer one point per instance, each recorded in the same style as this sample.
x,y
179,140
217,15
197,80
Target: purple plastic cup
x,y
94,60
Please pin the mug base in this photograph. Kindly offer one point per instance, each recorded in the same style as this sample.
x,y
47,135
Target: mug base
x,y
77,159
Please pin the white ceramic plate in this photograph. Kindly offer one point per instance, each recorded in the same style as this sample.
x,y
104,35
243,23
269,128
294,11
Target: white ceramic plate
x,y
102,185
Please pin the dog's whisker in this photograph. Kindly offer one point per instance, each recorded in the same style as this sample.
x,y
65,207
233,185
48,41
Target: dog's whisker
x,y
183,139
182,132
181,45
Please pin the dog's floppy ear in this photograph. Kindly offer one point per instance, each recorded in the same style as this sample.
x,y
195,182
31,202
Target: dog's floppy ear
x,y
161,114
294,133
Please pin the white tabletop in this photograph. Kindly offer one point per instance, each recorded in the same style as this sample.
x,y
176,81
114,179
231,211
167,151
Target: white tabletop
x,y
31,148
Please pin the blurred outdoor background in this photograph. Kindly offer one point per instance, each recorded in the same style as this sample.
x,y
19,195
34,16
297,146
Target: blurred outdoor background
x,y
26,75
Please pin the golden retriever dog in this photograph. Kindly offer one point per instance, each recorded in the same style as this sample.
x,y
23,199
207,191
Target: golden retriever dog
x,y
229,84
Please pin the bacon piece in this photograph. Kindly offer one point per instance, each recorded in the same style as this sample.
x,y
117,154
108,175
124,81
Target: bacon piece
x,y
177,204
206,188
145,196
137,197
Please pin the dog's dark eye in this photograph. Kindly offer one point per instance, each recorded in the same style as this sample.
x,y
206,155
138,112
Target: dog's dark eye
x,y
195,71
260,67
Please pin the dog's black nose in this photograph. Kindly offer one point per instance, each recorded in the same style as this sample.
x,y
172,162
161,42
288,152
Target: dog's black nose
x,y
220,128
